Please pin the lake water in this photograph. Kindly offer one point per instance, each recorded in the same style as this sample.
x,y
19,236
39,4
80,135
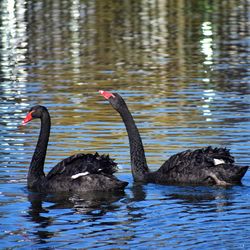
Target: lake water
x,y
183,68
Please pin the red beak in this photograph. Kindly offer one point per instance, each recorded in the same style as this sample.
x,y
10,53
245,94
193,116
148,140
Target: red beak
x,y
106,94
27,118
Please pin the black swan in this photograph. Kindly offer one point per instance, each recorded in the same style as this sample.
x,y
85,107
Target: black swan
x,y
77,173
205,166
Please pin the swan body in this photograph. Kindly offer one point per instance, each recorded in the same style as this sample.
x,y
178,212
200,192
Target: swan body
x,y
77,173
205,166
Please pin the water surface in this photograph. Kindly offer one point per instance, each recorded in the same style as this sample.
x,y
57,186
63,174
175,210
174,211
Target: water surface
x,y
183,69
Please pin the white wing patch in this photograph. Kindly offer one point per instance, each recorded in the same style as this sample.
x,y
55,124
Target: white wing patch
x,y
75,176
218,161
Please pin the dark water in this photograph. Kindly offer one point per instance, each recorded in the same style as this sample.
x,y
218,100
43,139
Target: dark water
x,y
183,68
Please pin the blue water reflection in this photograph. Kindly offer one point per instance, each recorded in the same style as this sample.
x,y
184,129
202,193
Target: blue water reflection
x,y
183,68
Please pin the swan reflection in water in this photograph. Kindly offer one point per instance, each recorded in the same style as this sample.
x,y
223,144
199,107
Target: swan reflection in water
x,y
46,211
128,210
81,203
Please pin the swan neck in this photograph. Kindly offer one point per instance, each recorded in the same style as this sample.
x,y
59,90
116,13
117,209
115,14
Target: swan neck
x,y
36,170
137,155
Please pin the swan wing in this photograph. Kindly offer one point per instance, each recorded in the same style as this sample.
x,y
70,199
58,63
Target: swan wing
x,y
83,164
195,159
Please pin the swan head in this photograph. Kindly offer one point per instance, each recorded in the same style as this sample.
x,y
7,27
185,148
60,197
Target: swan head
x,y
35,112
114,99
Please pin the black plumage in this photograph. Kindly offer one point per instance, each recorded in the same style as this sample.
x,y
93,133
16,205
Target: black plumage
x,y
201,166
77,173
